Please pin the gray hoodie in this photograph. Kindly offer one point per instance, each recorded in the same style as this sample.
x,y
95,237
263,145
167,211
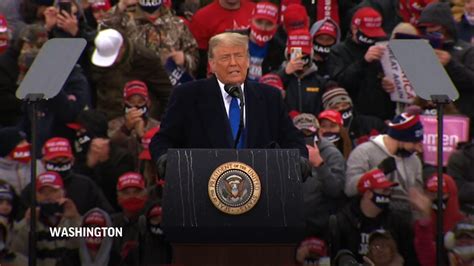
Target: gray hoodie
x,y
318,24
103,254
18,174
368,155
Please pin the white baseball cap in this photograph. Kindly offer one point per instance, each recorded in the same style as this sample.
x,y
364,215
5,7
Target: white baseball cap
x,y
107,43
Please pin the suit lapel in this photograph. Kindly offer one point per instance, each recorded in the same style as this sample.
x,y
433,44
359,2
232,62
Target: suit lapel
x,y
213,115
254,113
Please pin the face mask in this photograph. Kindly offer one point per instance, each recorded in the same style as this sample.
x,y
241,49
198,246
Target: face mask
x,y
261,36
347,116
133,204
21,154
381,201
332,137
61,168
306,59
93,243
322,50
434,206
150,6
404,153
156,229
82,143
50,213
364,39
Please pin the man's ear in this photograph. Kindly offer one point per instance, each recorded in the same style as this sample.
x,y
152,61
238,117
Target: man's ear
x,y
212,65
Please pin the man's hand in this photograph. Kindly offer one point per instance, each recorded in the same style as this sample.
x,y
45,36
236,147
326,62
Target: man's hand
x,y
50,17
314,156
70,209
374,53
68,23
420,202
443,56
294,65
132,118
178,57
98,152
388,85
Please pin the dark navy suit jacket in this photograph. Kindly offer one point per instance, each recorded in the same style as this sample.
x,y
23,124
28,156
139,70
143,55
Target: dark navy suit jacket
x,y
196,118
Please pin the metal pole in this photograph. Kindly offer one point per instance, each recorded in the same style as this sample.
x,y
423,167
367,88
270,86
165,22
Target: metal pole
x,y
32,242
439,227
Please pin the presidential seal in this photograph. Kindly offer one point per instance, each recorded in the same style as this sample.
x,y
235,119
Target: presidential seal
x,y
234,188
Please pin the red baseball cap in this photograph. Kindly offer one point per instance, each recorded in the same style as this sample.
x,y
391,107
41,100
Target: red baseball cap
x,y
327,28
369,21
155,211
295,17
374,179
266,10
300,38
57,147
272,79
3,24
49,179
130,179
95,218
146,139
333,116
315,245
135,87
101,5
432,184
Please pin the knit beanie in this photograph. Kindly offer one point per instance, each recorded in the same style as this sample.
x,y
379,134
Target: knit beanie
x,y
406,127
335,95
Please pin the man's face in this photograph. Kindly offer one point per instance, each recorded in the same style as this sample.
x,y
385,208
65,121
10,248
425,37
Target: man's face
x,y
264,24
469,7
49,195
328,126
131,192
437,28
230,63
412,146
230,2
136,101
325,40
340,106
99,15
380,251
5,207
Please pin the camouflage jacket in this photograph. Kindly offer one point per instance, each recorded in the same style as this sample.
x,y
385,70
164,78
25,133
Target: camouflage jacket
x,y
167,33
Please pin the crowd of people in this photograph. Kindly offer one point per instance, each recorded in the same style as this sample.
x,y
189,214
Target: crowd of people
x,y
101,154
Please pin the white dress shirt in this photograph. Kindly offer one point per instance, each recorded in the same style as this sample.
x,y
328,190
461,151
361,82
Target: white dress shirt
x,y
227,98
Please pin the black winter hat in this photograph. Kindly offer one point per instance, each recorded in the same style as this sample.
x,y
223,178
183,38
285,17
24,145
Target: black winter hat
x,y
9,138
95,122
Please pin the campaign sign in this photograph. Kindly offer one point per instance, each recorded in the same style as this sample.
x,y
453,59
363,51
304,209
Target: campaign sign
x,y
176,74
455,129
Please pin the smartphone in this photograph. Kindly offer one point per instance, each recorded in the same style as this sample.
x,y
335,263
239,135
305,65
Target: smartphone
x,y
296,52
65,5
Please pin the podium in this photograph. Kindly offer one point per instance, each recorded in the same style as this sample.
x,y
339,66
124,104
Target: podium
x,y
233,207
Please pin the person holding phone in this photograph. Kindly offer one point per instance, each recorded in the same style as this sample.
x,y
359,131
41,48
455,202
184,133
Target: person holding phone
x,y
323,191
299,75
54,210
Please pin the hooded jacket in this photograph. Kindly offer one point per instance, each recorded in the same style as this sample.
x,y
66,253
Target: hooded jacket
x,y
17,174
303,91
323,192
425,230
368,156
362,80
460,168
103,254
322,65
461,67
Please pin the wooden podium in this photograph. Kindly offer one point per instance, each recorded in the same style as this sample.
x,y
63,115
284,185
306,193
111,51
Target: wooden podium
x,y
201,218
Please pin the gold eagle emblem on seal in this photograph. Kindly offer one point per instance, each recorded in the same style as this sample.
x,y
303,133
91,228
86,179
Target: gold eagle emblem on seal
x,y
234,188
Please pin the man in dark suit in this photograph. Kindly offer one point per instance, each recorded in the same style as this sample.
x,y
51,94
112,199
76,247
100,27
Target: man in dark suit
x,y
200,113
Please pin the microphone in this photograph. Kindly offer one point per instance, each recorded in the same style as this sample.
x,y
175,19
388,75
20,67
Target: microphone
x,y
235,91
